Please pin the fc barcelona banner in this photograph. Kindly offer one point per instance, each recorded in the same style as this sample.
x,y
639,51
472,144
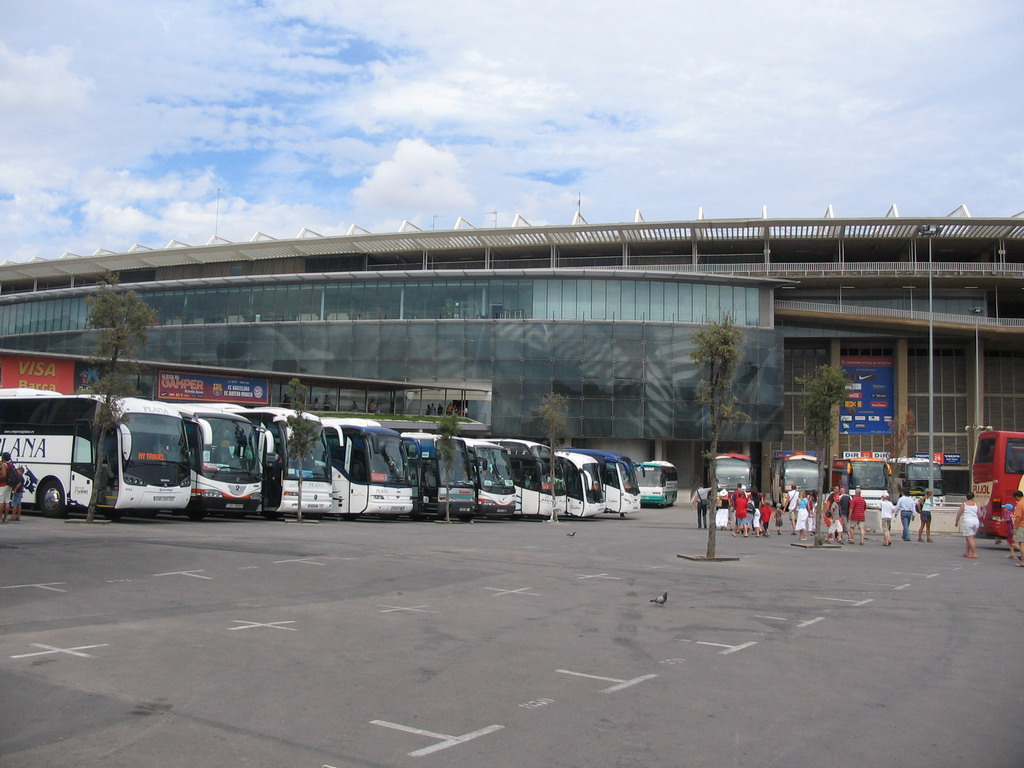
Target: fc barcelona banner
x,y
199,388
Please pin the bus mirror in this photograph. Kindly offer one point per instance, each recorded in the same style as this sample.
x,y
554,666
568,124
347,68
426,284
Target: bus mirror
x,y
126,441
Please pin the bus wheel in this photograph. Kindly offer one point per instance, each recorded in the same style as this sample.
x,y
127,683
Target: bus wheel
x,y
195,516
465,518
271,515
50,500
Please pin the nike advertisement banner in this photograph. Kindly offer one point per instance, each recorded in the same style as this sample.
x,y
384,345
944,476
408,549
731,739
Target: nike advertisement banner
x,y
870,403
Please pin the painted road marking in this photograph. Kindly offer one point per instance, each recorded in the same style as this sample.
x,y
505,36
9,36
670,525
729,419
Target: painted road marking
x,y
414,608
621,683
728,648
521,591
855,603
271,625
69,651
770,618
446,740
599,576
926,575
307,560
811,621
52,586
193,574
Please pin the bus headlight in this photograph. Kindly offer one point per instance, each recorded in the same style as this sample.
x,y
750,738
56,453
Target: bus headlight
x,y
212,493
132,480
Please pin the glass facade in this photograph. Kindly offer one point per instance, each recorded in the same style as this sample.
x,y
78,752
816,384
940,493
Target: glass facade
x,y
625,373
438,299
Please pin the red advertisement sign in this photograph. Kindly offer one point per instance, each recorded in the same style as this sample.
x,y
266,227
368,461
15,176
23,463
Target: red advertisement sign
x,y
202,388
37,373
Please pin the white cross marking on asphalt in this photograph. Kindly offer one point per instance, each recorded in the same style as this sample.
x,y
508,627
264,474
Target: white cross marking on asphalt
x,y
49,585
193,574
308,560
68,651
415,608
844,600
599,576
521,591
808,623
446,740
271,625
621,683
728,648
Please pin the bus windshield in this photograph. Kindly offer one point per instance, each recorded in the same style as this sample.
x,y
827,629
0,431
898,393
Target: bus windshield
x,y
386,459
494,469
732,472
869,476
155,438
234,447
802,474
629,482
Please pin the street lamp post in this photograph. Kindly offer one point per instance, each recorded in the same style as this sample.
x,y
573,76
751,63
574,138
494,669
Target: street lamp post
x,y
930,231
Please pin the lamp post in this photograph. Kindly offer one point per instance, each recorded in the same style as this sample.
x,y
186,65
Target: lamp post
x,y
930,231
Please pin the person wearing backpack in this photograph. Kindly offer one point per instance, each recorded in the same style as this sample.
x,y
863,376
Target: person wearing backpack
x,y
8,477
17,493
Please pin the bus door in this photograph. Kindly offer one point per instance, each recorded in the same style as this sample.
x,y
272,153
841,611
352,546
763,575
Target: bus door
x,y
82,466
357,499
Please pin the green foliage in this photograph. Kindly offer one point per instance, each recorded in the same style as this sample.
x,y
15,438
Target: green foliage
x,y
122,320
303,433
824,390
717,354
447,429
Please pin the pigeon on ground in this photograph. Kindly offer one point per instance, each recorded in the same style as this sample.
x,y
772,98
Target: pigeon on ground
x,y
571,534
660,599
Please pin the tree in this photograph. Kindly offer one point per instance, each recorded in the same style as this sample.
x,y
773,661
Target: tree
x,y
553,414
824,390
123,321
900,432
717,354
447,428
303,434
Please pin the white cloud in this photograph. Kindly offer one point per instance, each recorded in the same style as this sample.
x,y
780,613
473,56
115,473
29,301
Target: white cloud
x,y
123,128
418,178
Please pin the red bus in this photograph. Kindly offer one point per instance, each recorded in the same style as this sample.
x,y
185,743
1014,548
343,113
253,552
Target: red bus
x,y
998,472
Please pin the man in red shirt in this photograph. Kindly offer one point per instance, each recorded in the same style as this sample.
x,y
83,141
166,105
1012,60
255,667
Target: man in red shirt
x,y
858,515
739,506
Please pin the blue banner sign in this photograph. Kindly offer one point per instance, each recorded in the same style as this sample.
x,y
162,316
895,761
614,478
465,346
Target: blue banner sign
x,y
200,388
870,403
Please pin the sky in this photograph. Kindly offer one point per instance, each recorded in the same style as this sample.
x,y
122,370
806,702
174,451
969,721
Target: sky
x,y
135,122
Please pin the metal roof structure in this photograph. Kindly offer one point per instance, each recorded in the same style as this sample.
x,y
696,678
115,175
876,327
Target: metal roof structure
x,y
959,226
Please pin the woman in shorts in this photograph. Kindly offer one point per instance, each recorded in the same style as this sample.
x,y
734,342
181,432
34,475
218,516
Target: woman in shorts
x,y
888,512
968,520
17,493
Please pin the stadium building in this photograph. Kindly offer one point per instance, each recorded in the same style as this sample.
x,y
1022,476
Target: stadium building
x,y
490,320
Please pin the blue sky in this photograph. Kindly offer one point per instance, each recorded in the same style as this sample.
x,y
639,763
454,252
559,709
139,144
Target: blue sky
x,y
131,122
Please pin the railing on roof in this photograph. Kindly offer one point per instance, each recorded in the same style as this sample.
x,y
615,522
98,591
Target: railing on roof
x,y
906,314
811,269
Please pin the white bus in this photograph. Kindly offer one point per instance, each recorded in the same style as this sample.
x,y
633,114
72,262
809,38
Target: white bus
x,y
531,474
226,457
793,469
659,483
492,470
621,490
584,489
372,470
281,476
145,458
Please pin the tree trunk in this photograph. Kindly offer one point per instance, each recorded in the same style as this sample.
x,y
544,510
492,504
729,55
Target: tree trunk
x,y
713,484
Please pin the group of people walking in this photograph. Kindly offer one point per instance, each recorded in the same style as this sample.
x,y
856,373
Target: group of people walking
x,y
751,513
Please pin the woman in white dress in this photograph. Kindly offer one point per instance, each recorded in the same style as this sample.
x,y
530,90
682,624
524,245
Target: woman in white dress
x,y
967,517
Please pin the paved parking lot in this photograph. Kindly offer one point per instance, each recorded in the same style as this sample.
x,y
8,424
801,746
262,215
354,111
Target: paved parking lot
x,y
250,643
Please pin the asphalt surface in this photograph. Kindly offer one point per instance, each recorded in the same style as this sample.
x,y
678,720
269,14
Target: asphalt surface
x,y
250,643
